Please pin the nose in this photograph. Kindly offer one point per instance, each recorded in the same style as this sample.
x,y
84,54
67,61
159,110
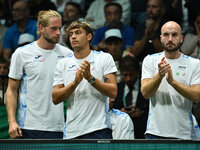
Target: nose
x,y
58,32
113,17
128,78
1,70
73,36
149,9
170,37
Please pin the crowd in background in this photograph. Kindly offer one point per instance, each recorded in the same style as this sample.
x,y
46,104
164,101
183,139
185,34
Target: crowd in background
x,y
127,29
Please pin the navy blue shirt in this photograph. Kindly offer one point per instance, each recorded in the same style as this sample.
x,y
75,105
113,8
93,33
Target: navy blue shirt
x,y
12,34
128,35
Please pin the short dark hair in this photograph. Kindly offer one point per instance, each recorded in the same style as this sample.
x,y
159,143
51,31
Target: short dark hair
x,y
3,61
76,5
113,40
129,62
78,24
113,4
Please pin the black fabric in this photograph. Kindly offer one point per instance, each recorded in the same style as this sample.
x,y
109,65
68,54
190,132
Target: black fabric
x,y
99,134
129,97
36,134
148,46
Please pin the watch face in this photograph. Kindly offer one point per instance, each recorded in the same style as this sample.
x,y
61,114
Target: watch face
x,y
92,80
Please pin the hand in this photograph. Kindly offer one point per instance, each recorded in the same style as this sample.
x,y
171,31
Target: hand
x,y
14,130
134,112
78,77
85,68
102,46
163,67
126,111
150,28
169,76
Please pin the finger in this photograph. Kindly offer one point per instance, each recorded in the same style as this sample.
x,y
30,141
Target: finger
x,y
11,135
87,62
163,59
164,65
167,69
16,133
19,132
159,64
131,106
84,69
148,21
85,66
164,69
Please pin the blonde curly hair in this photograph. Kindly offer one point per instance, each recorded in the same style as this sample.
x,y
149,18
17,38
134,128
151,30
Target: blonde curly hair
x,y
43,18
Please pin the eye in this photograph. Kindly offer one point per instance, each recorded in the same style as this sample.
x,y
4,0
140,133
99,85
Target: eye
x,y
108,14
124,74
70,34
165,34
54,28
78,32
175,34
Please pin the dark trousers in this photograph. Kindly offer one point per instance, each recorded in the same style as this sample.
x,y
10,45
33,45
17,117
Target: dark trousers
x,y
35,134
100,134
151,136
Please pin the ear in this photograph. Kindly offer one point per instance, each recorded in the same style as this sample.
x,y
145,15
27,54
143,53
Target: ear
x,y
181,38
40,27
160,38
89,36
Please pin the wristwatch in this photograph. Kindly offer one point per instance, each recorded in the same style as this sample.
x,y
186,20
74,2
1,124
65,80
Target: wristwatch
x,y
92,81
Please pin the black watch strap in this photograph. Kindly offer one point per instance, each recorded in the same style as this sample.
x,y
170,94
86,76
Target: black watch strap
x,y
92,81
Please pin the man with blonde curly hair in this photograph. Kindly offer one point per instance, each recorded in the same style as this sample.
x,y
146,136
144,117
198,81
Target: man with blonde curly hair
x,y
30,83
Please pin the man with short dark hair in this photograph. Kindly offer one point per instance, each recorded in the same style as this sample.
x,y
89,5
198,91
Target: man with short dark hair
x,y
147,35
86,79
71,13
113,14
129,97
22,24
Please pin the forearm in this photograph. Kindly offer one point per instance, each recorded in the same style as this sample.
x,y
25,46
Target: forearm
x,y
105,88
190,92
138,46
150,86
11,105
7,54
61,93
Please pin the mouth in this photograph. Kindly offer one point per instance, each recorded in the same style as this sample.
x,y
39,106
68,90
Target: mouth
x,y
56,38
74,42
170,44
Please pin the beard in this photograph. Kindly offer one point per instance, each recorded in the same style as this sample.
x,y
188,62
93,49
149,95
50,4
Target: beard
x,y
115,24
50,40
172,50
